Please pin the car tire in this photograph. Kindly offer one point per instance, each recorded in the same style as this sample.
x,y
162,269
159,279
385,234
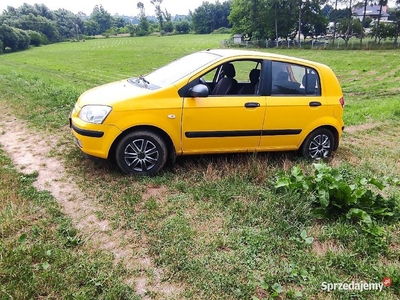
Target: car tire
x,y
319,144
141,153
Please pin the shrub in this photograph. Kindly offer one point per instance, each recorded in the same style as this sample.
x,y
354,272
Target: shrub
x,y
332,195
88,37
24,39
142,32
222,30
182,27
111,31
36,38
9,37
14,38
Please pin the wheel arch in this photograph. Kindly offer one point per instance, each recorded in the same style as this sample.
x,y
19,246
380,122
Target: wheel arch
x,y
332,129
335,135
168,141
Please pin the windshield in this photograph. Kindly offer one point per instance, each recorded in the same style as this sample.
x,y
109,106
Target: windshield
x,y
180,68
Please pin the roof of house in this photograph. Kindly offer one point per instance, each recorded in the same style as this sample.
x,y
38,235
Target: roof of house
x,y
371,10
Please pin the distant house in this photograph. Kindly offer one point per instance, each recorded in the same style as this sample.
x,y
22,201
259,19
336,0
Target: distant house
x,y
237,38
371,11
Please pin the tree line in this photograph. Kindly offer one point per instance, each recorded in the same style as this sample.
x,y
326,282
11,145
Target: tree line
x,y
255,19
38,25
205,19
276,19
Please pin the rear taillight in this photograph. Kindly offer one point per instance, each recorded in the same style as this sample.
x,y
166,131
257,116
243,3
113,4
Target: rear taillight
x,y
341,100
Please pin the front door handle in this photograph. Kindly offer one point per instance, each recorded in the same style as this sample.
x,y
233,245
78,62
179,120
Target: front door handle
x,y
315,103
252,104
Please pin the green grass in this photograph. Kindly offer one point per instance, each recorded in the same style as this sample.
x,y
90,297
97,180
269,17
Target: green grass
x,y
215,224
54,76
41,254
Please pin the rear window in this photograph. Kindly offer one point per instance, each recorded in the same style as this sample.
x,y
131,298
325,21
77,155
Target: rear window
x,y
294,80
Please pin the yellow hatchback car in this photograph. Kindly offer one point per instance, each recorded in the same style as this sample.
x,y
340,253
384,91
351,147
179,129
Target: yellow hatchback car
x,y
214,101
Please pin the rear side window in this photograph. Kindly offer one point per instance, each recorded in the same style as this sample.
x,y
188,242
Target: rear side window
x,y
294,80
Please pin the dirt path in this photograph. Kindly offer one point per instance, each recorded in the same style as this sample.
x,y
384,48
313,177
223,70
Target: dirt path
x,y
30,151
357,128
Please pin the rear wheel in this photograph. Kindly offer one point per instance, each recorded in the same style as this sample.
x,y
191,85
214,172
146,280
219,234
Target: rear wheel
x,y
318,144
141,153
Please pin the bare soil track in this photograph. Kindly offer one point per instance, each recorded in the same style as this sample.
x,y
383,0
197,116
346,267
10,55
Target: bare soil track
x,y
30,151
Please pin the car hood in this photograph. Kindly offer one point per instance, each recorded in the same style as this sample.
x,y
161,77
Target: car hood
x,y
111,93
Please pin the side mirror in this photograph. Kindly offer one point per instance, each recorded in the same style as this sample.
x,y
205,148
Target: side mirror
x,y
199,90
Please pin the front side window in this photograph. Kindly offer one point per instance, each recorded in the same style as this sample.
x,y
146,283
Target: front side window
x,y
239,78
294,80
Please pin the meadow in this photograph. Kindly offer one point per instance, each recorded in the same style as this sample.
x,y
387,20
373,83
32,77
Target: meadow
x,y
217,226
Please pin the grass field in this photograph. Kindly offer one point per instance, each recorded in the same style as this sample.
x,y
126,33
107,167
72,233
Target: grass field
x,y
215,225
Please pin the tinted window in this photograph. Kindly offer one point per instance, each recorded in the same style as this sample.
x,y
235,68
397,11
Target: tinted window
x,y
290,79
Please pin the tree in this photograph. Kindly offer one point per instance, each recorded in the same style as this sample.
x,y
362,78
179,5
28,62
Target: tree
x,y
381,4
102,18
385,31
36,37
209,17
349,29
349,21
91,27
37,18
168,25
334,23
143,21
313,20
285,19
182,27
274,19
41,24
118,22
24,39
159,12
363,22
202,18
9,38
14,38
397,22
68,24
37,23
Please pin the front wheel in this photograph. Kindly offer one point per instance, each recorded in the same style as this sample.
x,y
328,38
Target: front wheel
x,y
141,153
318,144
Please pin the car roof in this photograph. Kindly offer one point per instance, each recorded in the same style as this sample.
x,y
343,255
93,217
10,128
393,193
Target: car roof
x,y
237,53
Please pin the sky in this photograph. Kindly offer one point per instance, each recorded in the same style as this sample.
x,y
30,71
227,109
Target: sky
x,y
122,7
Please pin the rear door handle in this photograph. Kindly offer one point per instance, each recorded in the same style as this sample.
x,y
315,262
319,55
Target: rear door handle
x,y
315,103
251,104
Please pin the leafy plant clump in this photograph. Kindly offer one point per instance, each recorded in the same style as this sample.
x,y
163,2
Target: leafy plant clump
x,y
335,195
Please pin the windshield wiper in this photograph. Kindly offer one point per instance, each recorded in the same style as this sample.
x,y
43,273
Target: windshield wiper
x,y
143,79
140,80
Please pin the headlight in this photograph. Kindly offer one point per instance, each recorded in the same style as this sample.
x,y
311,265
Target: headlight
x,y
95,114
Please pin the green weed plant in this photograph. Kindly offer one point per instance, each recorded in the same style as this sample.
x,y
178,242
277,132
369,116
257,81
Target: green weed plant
x,y
334,195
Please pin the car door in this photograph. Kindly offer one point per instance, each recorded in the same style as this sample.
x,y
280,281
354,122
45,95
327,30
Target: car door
x,y
223,122
294,102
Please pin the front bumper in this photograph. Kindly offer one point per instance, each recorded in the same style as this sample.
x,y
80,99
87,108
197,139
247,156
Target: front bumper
x,y
94,139
85,132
